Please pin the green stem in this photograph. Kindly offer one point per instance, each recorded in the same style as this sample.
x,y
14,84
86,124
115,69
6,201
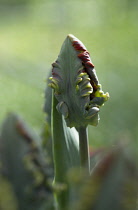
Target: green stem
x,y
84,148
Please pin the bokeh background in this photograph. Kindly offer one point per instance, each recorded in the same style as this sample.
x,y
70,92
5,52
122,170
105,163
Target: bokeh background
x,y
31,34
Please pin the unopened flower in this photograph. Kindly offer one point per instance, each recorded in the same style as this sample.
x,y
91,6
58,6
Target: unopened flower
x,y
76,85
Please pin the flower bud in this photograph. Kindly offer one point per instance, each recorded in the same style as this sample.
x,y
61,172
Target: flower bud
x,y
76,85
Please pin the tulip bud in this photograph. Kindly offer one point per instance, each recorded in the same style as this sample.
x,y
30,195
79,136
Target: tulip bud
x,y
76,85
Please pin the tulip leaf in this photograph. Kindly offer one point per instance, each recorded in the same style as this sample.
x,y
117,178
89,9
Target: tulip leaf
x,y
66,155
20,151
113,182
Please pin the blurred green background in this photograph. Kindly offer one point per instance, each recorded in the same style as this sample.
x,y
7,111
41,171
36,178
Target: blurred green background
x,y
31,34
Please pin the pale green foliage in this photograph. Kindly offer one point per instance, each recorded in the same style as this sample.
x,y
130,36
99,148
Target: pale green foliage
x,y
65,155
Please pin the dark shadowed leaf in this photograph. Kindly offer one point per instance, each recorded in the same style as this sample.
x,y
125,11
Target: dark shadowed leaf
x,y
22,161
113,182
